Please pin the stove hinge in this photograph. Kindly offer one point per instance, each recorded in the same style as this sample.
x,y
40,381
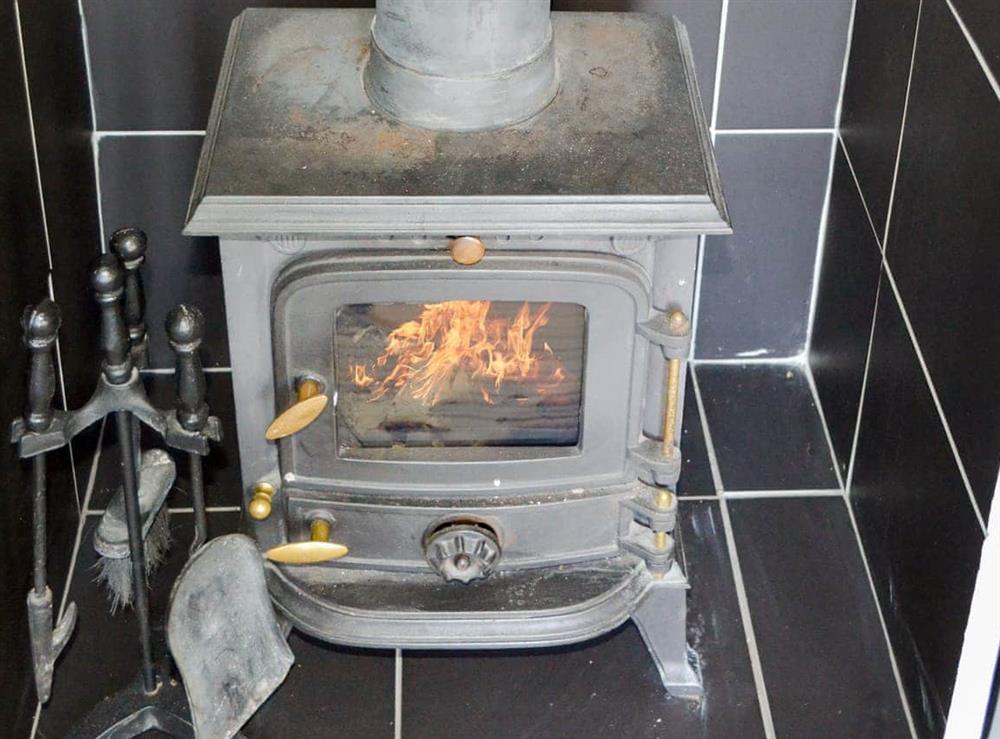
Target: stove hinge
x,y
658,460
646,525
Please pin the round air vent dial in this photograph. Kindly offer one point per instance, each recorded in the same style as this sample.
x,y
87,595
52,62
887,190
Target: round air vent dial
x,y
462,551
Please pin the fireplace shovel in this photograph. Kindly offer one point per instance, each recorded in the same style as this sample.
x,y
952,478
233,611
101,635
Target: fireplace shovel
x,y
225,637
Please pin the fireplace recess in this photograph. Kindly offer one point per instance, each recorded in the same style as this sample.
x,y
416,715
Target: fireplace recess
x,y
470,321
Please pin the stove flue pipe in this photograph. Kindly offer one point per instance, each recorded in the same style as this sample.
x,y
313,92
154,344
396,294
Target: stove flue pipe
x,y
461,65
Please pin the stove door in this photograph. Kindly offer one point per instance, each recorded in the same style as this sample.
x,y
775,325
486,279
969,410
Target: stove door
x,y
515,374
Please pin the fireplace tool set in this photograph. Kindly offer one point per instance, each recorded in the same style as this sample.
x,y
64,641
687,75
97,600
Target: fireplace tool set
x,y
133,533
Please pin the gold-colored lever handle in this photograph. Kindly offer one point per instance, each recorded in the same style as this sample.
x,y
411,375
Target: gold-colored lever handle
x,y
319,548
307,408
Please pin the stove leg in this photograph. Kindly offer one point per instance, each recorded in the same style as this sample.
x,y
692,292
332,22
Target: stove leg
x,y
662,620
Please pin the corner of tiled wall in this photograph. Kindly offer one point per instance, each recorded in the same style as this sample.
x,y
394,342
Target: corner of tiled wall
x,y
906,333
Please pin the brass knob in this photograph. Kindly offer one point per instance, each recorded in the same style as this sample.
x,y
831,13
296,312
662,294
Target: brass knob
x,y
259,506
319,548
467,250
310,403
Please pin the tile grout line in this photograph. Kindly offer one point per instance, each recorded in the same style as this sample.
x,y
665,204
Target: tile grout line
x,y
65,405
825,212
796,359
31,131
84,36
772,131
811,381
849,481
171,370
861,196
881,618
397,709
741,595
149,133
902,131
871,334
713,118
817,272
696,297
791,493
864,558
91,480
934,396
179,509
977,52
152,132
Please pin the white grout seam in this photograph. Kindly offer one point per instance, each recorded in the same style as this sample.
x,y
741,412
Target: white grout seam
x,y
811,381
713,118
31,132
734,561
763,494
771,131
934,397
397,710
990,77
902,130
181,509
881,619
170,370
825,213
94,149
144,133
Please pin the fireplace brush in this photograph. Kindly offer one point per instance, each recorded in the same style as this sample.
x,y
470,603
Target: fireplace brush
x,y
156,470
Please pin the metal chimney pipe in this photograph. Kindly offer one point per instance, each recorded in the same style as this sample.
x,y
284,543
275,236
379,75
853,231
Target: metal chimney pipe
x,y
461,65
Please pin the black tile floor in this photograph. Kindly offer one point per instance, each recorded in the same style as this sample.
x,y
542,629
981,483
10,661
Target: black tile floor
x,y
780,613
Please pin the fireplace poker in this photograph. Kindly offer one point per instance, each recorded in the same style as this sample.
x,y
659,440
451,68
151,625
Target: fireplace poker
x,y
185,327
41,327
107,280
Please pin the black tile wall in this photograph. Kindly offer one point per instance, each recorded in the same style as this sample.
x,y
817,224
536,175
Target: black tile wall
x,y
943,238
607,687
845,305
782,63
53,47
816,622
916,522
145,182
765,428
178,44
874,94
696,472
757,283
700,17
24,271
983,23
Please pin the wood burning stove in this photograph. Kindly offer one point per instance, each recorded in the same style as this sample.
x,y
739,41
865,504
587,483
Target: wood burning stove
x,y
459,247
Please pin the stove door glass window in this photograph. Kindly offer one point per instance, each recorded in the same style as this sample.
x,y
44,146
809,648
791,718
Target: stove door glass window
x,y
460,373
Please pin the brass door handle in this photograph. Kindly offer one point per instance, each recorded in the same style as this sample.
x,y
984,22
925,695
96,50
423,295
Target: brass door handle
x,y
319,548
310,403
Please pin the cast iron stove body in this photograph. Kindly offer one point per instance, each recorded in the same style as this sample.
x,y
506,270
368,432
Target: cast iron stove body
x,y
491,454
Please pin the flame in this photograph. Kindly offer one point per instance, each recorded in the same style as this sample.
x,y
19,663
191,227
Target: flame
x,y
361,376
423,357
